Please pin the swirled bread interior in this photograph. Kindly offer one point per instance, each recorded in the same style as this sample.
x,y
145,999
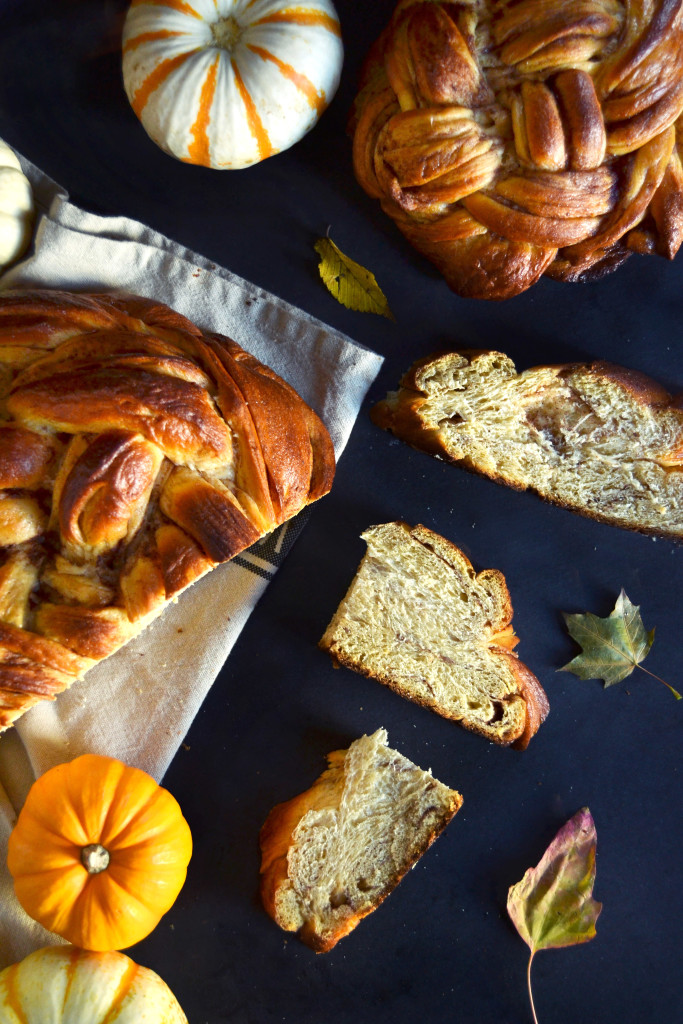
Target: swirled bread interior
x,y
419,619
597,438
332,854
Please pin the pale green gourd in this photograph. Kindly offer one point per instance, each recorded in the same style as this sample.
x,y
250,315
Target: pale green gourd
x,y
66,985
16,207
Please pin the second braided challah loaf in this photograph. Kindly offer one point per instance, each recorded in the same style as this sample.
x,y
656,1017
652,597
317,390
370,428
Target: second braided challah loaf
x,y
136,453
512,138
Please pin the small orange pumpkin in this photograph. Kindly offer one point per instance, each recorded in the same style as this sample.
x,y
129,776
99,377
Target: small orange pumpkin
x,y
99,852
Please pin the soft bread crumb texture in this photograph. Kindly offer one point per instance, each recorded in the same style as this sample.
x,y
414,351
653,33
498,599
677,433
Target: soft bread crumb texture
x,y
418,618
600,439
331,855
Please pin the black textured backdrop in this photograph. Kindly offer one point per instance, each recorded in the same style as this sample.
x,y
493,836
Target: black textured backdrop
x,y
441,947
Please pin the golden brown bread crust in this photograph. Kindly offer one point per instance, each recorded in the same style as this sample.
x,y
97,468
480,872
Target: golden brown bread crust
x,y
136,453
512,138
409,414
536,700
275,839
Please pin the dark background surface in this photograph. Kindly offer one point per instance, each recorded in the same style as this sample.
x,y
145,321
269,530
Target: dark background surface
x,y
441,947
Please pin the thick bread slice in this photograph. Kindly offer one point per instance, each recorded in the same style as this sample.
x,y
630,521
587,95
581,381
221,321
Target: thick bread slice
x,y
331,855
419,619
599,439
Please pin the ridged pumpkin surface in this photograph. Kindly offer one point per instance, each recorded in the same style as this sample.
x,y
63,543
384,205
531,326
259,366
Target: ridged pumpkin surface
x,y
61,877
64,985
16,206
226,83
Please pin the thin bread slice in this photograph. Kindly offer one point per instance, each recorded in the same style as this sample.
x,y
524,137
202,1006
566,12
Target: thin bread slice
x,y
331,855
602,440
419,619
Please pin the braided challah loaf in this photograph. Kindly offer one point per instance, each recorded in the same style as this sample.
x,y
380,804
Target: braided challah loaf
x,y
512,138
136,453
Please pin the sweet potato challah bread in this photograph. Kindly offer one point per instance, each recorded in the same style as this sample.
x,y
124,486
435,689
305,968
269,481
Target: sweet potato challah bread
x,y
331,855
136,453
597,438
419,619
512,138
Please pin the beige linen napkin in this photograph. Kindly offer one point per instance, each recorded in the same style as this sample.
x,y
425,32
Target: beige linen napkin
x,y
157,683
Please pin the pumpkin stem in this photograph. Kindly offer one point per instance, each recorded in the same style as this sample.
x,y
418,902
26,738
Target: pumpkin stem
x,y
226,33
94,858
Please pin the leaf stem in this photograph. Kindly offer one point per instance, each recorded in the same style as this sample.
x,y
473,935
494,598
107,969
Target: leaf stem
x,y
528,982
676,694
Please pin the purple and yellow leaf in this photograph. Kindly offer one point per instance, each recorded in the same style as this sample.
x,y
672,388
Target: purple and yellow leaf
x,y
552,906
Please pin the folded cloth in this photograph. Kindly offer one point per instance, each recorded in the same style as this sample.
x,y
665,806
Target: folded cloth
x,y
158,681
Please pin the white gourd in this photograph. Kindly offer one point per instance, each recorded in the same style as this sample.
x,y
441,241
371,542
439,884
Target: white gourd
x,y
227,83
16,207
66,985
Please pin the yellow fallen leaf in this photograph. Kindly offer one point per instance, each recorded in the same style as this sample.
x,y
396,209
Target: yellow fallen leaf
x,y
349,282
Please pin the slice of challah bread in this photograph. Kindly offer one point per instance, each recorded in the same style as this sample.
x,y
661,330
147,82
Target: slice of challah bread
x,y
419,619
332,854
600,439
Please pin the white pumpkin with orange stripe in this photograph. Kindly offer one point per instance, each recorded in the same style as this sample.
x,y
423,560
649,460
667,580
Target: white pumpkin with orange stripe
x,y
226,83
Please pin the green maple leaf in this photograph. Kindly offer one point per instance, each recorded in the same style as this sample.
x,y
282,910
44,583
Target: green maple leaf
x,y
611,647
349,282
553,905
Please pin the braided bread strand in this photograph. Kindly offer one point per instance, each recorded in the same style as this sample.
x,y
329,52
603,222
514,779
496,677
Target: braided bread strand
x,y
513,138
136,453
